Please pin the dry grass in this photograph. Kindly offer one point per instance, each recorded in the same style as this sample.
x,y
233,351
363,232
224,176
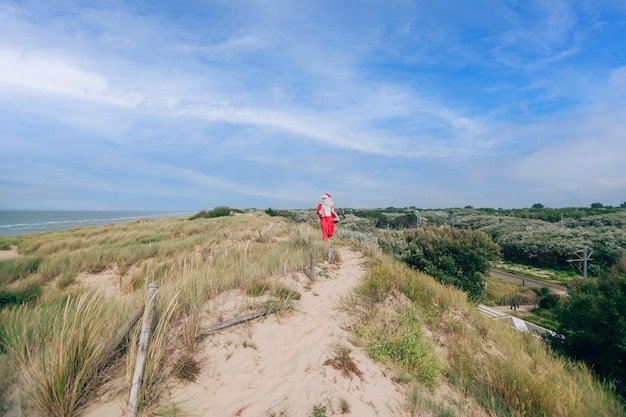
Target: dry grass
x,y
191,261
505,371
343,362
58,345
499,290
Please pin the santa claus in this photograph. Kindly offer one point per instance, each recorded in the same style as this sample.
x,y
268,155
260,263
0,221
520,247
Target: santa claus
x,y
327,215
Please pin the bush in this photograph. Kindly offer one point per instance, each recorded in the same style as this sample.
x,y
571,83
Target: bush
x,y
592,326
549,245
549,301
221,211
452,256
270,212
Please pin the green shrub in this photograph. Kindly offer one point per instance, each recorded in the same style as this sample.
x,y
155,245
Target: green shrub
x,y
23,294
221,211
270,212
549,301
452,256
592,326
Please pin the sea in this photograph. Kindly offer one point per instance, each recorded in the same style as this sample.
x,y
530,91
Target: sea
x,y
22,222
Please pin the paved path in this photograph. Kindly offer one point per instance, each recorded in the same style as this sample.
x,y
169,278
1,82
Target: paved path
x,y
528,281
517,323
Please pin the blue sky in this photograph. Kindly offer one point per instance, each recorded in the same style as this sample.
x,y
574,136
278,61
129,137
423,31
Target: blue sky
x,y
191,104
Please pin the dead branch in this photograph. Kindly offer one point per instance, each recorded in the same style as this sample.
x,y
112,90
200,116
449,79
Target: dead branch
x,y
241,319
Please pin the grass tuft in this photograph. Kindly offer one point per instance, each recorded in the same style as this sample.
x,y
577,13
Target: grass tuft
x,y
343,362
186,368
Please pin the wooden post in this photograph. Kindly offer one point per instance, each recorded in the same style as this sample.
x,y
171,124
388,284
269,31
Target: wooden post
x,y
330,253
312,267
144,340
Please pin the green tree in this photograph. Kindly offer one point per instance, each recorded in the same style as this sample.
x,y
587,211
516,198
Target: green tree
x,y
453,256
537,206
592,325
596,205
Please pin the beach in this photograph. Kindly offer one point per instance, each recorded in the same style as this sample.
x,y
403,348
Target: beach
x,y
22,222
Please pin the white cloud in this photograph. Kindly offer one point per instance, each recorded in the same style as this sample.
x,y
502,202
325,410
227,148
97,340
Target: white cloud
x,y
45,73
588,155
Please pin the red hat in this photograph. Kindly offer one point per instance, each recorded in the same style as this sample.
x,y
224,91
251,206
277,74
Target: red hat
x,y
325,196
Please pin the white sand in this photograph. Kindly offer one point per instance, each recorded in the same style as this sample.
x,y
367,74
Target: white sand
x,y
281,372
9,254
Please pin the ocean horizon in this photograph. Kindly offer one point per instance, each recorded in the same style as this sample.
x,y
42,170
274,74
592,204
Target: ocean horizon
x,y
24,222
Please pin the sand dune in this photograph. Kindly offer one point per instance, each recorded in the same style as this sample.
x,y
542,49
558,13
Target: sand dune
x,y
279,365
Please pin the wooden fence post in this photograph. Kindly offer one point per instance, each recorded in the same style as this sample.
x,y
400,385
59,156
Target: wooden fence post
x,y
312,266
144,340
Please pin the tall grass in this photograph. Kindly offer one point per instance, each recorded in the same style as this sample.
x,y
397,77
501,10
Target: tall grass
x,y
503,370
191,261
59,347
431,335
12,270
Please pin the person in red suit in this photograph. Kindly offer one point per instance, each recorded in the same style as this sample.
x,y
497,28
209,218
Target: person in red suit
x,y
327,215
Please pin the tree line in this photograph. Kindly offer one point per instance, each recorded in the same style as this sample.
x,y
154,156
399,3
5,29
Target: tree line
x,y
524,235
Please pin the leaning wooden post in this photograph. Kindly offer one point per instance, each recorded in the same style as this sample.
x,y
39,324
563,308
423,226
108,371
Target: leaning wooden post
x,y
142,349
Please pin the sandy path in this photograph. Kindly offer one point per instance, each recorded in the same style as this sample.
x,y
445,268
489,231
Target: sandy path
x,y
275,366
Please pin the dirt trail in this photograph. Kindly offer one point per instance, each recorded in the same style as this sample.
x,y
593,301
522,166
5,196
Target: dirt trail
x,y
275,366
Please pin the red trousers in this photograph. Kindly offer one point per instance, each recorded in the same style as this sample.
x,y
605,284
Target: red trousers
x,y
328,227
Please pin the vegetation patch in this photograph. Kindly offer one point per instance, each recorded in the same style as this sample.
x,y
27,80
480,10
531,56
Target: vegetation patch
x,y
507,372
186,368
221,211
319,411
343,362
24,293
51,337
12,270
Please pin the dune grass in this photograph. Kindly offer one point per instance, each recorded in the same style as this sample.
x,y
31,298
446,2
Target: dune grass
x,y
428,333
58,345
502,370
191,261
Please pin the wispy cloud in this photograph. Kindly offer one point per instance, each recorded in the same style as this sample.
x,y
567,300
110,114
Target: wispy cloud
x,y
272,103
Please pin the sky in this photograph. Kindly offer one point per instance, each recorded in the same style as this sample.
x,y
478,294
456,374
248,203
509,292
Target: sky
x,y
193,104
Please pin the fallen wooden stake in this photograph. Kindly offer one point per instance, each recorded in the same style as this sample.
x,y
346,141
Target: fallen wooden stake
x,y
112,347
241,319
